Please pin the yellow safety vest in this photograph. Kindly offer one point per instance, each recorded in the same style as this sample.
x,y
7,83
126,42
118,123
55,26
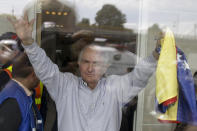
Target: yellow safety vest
x,y
38,89
9,71
38,96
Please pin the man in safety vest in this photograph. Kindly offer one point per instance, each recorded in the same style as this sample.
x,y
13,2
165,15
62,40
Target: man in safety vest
x,y
18,110
10,48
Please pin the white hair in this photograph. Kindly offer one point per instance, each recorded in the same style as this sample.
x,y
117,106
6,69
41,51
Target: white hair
x,y
104,52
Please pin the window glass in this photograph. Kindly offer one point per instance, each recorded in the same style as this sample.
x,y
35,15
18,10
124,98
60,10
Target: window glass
x,y
127,30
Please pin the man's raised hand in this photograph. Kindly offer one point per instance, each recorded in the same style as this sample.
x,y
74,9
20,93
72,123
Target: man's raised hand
x,y
23,28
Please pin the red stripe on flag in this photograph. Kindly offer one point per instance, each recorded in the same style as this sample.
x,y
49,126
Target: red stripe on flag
x,y
170,101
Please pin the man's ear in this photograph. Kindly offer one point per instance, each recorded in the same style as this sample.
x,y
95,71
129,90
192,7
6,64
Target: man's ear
x,y
105,67
29,78
31,75
108,65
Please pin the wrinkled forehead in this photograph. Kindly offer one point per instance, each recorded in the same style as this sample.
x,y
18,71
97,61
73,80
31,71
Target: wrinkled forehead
x,y
95,53
92,53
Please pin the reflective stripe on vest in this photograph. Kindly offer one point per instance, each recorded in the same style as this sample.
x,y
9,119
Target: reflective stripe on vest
x,y
38,96
9,71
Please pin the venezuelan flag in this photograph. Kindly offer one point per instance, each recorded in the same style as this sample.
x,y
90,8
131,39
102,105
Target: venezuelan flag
x,y
175,92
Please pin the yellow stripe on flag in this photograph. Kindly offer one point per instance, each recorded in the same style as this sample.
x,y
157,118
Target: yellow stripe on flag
x,y
166,75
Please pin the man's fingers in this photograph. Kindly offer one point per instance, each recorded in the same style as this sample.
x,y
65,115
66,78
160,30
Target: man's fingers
x,y
31,22
25,17
11,20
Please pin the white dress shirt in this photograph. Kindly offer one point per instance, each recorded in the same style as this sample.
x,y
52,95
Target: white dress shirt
x,y
82,109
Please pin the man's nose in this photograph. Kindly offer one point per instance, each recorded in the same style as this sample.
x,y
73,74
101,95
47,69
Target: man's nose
x,y
90,67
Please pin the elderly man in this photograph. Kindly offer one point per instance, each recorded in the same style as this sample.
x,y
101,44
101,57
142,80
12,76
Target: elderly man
x,y
90,102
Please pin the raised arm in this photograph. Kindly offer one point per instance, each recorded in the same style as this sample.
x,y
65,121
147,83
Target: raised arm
x,y
46,71
126,87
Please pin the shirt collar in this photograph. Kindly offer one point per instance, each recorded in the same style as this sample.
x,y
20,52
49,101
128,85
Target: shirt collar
x,y
85,85
27,91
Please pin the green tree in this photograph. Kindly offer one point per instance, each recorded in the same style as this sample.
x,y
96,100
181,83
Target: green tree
x,y
84,22
110,16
